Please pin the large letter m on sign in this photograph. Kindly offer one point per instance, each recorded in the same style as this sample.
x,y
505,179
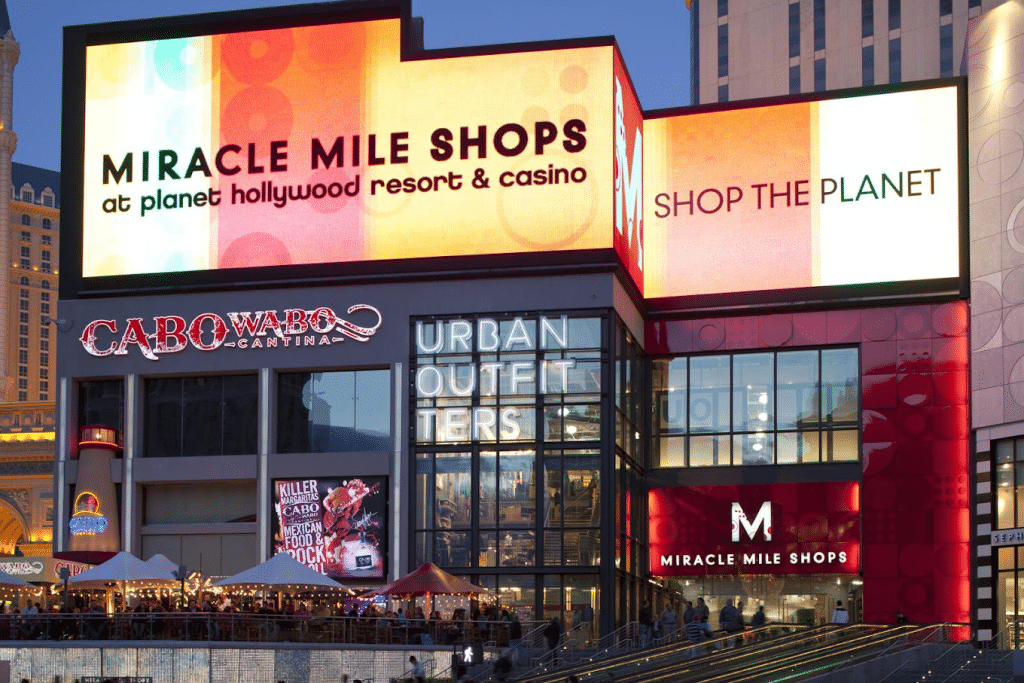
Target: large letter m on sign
x,y
763,520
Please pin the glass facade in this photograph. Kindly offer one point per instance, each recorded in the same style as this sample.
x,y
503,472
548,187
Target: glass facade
x,y
334,412
787,407
508,416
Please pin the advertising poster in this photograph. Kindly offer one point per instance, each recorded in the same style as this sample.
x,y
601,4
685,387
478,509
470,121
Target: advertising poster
x,y
317,144
848,191
335,525
810,528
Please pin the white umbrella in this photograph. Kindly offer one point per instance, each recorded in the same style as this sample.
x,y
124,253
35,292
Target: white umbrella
x,y
162,562
125,569
279,573
8,581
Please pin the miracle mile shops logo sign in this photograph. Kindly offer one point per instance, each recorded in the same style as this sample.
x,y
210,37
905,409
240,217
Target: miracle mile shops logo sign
x,y
240,330
810,528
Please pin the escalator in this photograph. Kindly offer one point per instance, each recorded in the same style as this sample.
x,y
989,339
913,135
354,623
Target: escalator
x,y
767,655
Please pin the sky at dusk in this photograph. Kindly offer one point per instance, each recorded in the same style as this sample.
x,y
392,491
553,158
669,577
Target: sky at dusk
x,y
652,34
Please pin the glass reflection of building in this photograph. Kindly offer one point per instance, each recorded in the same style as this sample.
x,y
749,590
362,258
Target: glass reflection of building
x,y
508,451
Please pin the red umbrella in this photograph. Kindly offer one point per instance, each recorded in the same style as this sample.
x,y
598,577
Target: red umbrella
x,y
429,579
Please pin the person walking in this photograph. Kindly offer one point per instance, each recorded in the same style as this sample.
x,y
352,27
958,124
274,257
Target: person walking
x,y
646,620
418,674
669,624
552,633
704,616
839,614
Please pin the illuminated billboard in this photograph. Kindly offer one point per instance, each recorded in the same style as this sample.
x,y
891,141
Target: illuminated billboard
x,y
320,144
335,525
847,191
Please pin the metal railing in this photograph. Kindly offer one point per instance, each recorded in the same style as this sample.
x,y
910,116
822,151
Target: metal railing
x,y
254,628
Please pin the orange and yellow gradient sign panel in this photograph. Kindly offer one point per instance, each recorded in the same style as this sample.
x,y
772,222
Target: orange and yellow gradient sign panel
x,y
318,145
839,192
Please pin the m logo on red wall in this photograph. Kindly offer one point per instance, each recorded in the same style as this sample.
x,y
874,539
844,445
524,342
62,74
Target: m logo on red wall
x,y
763,519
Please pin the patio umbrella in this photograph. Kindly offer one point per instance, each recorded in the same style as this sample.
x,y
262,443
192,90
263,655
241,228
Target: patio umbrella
x,y
279,573
163,562
125,569
12,585
429,580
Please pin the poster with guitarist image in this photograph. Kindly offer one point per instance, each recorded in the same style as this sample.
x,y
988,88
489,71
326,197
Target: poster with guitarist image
x,y
335,525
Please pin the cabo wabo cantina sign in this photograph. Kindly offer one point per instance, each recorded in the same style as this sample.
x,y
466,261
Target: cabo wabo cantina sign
x,y
810,528
239,330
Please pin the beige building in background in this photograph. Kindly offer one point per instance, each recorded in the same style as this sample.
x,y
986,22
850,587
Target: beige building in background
x,y
28,295
746,49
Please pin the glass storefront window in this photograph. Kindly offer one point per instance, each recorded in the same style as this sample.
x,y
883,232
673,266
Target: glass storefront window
x,y
1009,476
787,407
194,416
334,412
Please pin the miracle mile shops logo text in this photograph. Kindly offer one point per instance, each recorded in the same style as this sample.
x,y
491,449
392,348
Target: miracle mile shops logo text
x,y
245,330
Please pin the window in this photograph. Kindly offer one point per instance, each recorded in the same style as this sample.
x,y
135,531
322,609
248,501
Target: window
x,y
787,407
44,264
47,198
27,195
44,359
794,32
44,332
971,4
23,294
819,24
23,355
1009,464
44,373
23,316
867,18
334,412
946,50
723,8
819,75
186,416
44,397
22,395
44,308
47,225
945,7
26,236
44,296
44,386
23,341
24,281
100,402
47,240
895,61
46,284
894,14
867,65
723,92
44,345
23,372
23,330
507,463
25,257
723,50
23,304
26,219
23,384
794,79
